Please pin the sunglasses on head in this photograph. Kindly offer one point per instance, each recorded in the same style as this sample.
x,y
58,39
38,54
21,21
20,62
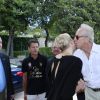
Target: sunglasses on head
x,y
77,37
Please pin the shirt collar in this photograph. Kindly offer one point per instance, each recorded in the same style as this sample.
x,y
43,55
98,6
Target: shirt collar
x,y
95,48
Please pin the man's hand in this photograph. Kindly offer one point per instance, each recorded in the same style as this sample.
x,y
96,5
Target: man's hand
x,y
25,97
25,85
80,86
12,97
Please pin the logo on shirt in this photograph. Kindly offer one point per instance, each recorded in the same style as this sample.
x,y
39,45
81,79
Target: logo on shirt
x,y
35,71
30,65
40,64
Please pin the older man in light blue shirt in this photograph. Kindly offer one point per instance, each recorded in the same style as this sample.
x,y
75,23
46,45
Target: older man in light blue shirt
x,y
6,86
2,78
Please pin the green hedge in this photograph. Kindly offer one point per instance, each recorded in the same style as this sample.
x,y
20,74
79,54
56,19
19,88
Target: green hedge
x,y
20,46
20,43
44,50
17,53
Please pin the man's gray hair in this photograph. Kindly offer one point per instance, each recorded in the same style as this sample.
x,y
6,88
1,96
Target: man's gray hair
x,y
88,31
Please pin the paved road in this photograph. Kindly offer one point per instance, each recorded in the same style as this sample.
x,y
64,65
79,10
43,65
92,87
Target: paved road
x,y
19,96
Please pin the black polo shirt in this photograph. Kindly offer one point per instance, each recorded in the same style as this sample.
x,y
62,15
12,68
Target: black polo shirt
x,y
35,68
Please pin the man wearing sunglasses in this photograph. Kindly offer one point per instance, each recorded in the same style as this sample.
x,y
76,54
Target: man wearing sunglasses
x,y
89,53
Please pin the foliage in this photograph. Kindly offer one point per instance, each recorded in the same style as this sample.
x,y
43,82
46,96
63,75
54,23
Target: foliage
x,y
14,16
20,46
44,50
45,15
20,43
97,37
57,16
35,32
17,53
53,16
75,12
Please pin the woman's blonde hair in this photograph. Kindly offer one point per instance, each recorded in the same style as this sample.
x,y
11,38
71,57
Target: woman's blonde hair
x,y
62,41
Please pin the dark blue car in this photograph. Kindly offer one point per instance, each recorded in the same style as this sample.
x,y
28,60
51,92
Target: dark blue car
x,y
17,77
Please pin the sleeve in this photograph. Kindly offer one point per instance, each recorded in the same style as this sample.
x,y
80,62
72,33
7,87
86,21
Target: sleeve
x,y
45,62
10,88
48,82
77,53
24,65
71,79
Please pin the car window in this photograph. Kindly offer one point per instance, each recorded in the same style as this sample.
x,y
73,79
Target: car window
x,y
13,66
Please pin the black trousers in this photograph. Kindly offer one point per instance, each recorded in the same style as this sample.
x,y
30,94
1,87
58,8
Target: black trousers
x,y
3,95
81,96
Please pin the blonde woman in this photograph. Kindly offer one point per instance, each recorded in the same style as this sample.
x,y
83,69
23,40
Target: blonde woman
x,y
64,70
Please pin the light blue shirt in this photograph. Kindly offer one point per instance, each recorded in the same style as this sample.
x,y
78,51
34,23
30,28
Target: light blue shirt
x,y
2,77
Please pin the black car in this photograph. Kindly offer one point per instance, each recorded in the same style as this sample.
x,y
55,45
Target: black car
x,y
17,77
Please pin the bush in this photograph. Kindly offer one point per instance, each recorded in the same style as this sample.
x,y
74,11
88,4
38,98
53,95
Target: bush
x,y
17,53
44,50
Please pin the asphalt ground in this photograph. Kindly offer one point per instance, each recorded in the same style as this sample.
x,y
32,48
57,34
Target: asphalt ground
x,y
19,96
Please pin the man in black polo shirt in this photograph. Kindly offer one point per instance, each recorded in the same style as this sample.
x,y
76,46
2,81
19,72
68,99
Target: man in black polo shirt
x,y
33,67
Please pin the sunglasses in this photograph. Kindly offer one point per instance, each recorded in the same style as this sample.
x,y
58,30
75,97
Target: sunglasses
x,y
77,37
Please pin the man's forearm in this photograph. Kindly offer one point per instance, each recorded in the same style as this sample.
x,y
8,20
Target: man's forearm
x,y
25,82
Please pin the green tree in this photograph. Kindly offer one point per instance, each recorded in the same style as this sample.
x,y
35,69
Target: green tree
x,y
57,16
75,12
44,15
54,16
14,16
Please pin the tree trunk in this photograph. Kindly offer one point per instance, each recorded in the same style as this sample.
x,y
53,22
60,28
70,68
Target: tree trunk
x,y
10,44
47,37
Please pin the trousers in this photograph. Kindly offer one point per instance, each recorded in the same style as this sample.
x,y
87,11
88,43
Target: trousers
x,y
91,95
36,97
3,95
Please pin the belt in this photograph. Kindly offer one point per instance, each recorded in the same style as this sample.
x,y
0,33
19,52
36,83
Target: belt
x,y
95,89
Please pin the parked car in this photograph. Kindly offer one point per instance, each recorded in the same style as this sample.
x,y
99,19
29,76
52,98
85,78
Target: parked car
x,y
17,77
